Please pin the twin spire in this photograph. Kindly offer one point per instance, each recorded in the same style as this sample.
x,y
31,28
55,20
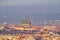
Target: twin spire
x,y
26,23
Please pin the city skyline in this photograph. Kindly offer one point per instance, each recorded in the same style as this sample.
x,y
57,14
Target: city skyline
x,y
13,11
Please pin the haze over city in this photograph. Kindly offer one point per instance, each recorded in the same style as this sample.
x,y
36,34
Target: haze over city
x,y
13,11
29,19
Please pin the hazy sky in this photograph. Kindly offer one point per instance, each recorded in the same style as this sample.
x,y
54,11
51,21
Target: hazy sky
x,y
11,10
27,2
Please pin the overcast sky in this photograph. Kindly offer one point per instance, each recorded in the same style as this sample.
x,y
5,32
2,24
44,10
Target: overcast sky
x,y
38,9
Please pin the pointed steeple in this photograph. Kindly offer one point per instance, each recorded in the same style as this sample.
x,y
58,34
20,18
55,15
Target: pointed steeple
x,y
26,22
28,19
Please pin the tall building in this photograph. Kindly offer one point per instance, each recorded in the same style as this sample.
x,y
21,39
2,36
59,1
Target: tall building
x,y
26,23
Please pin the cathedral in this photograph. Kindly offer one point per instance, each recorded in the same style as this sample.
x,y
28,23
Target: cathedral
x,y
26,23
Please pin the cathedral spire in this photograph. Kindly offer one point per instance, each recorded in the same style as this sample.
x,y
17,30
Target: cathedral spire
x,y
26,23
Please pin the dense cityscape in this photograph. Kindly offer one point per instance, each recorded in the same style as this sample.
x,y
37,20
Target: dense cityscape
x,y
26,31
29,19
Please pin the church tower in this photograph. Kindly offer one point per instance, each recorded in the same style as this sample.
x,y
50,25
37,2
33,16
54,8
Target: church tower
x,y
26,23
